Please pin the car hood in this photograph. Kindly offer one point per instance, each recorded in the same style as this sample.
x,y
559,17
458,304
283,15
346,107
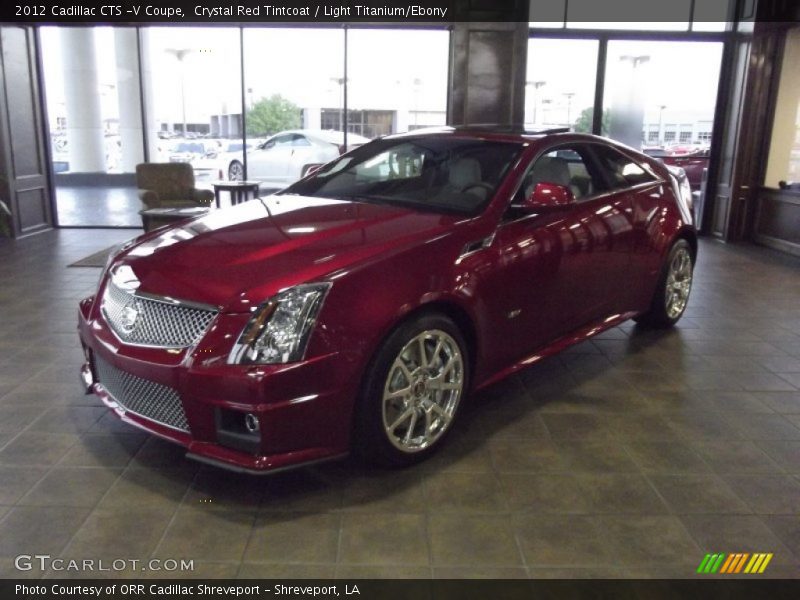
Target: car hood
x,y
238,257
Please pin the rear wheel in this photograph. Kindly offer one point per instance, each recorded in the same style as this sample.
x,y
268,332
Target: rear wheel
x,y
412,392
674,286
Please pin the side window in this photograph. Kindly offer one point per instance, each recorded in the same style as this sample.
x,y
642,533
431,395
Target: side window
x,y
620,170
299,140
567,166
282,140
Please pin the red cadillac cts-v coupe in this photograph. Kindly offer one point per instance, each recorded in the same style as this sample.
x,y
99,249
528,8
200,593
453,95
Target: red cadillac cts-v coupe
x,y
357,308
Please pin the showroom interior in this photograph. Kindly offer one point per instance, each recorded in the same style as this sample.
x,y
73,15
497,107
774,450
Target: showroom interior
x,y
629,455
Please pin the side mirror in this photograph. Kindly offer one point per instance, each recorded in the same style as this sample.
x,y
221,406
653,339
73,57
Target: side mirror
x,y
548,196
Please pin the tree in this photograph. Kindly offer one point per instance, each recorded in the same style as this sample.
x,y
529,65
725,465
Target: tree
x,y
583,123
271,115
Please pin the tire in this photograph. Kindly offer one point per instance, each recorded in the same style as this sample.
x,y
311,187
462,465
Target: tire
x,y
403,415
673,289
236,171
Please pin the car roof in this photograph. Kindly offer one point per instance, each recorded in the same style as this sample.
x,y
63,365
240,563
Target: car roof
x,y
499,132
326,135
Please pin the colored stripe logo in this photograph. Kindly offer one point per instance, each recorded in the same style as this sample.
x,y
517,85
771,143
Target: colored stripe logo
x,y
737,562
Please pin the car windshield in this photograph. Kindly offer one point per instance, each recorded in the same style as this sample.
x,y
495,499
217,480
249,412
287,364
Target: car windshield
x,y
438,173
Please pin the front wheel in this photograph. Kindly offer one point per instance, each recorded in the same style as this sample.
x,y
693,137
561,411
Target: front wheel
x,y
672,293
412,392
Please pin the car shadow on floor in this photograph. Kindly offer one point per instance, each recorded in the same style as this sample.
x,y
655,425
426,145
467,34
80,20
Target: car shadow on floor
x,y
550,399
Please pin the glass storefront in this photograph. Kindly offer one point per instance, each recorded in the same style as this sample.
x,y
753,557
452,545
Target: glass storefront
x,y
560,84
269,103
661,95
656,95
91,76
265,104
397,80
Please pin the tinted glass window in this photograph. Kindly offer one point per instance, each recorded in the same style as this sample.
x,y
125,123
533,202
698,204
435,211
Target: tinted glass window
x,y
299,140
622,172
437,173
283,140
563,166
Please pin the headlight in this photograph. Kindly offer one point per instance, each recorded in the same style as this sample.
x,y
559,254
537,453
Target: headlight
x,y
113,253
279,329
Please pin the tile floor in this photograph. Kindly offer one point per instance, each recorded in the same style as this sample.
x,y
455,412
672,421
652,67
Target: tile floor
x,y
82,206
631,455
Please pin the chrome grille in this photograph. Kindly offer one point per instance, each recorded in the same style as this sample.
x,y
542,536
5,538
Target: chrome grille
x,y
146,321
148,399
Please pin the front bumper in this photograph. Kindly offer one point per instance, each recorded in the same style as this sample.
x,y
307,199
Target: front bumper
x,y
304,409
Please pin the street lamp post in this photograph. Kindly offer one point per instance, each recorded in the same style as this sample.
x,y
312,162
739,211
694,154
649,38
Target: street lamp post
x,y
545,103
661,124
635,60
340,82
569,96
536,85
417,85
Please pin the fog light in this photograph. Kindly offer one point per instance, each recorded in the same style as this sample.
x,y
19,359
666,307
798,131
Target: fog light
x,y
238,430
251,423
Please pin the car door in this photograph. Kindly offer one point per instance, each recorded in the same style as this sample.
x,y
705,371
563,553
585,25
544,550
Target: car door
x,y
271,162
560,270
645,191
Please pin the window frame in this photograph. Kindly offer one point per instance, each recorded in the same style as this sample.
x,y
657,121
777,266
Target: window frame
x,y
655,178
554,147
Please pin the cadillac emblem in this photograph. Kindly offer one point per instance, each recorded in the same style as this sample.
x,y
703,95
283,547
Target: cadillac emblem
x,y
129,316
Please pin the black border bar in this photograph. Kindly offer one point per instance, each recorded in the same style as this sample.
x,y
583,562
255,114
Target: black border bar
x,y
244,12
417,589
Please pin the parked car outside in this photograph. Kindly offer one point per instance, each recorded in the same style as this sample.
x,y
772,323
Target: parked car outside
x,y
212,166
693,159
190,150
356,309
287,156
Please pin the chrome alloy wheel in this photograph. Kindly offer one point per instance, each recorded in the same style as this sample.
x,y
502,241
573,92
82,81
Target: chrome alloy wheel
x,y
422,391
679,283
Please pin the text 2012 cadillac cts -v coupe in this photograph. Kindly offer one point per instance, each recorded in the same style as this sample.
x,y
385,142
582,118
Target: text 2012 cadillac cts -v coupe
x,y
357,308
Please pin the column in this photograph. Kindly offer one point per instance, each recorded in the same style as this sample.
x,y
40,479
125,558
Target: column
x,y
487,78
128,99
85,143
157,148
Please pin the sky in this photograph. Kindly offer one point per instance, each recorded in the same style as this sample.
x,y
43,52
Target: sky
x,y
388,70
682,76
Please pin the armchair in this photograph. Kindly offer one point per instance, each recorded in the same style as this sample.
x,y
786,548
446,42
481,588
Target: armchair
x,y
169,185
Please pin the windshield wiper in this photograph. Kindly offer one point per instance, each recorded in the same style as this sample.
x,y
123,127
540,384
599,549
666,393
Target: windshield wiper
x,y
367,199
